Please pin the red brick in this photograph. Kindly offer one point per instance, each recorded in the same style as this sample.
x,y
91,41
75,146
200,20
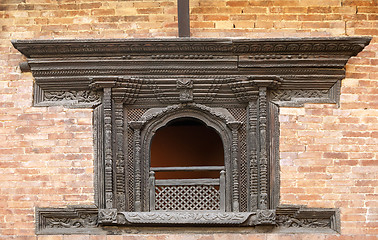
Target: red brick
x,y
216,17
335,155
237,3
99,12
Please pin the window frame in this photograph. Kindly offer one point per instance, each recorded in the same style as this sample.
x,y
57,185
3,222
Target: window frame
x,y
261,75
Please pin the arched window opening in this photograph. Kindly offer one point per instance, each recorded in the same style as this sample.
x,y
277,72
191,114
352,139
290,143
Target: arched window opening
x,y
187,168
186,142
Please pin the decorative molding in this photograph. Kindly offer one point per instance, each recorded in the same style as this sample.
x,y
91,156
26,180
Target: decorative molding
x,y
125,47
192,217
219,113
320,59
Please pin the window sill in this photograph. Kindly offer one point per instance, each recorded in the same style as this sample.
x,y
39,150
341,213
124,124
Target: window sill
x,y
90,220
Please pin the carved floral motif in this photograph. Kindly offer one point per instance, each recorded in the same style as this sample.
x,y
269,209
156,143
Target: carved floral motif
x,y
77,96
187,217
107,215
266,217
81,221
287,95
185,87
289,221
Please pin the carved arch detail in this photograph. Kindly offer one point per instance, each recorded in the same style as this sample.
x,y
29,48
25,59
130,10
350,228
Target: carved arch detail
x,y
217,118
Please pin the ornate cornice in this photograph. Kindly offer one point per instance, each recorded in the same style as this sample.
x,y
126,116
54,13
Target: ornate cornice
x,y
234,67
206,48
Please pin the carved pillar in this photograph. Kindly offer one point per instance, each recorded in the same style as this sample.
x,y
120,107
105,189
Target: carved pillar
x,y
98,137
263,83
234,126
108,148
263,158
151,186
120,158
252,154
138,174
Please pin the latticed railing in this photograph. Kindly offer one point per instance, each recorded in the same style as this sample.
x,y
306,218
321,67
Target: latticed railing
x,y
204,194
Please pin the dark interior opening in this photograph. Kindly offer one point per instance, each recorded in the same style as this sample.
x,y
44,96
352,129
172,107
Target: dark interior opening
x,y
186,142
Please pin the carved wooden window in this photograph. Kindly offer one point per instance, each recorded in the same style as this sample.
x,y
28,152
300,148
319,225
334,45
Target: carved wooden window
x,y
187,168
139,87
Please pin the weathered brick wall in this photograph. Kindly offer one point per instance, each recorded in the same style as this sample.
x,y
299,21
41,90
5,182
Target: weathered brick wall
x,y
328,154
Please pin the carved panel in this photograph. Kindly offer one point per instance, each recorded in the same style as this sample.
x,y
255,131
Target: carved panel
x,y
185,87
69,220
240,115
132,115
120,157
84,98
107,216
197,218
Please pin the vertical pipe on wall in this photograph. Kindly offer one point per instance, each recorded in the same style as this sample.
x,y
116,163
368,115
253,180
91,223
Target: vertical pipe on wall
x,y
183,18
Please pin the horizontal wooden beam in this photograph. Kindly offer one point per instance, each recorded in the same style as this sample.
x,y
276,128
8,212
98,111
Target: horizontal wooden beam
x,y
179,182
187,169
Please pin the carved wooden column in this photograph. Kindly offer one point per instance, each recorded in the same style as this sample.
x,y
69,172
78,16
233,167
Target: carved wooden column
x,y
263,83
263,158
234,126
136,126
120,157
252,150
98,139
109,213
108,148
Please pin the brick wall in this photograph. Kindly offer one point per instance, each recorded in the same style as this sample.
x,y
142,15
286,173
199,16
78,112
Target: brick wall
x,y
328,154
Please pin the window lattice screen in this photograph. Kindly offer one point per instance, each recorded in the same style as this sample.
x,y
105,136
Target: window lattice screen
x,y
187,197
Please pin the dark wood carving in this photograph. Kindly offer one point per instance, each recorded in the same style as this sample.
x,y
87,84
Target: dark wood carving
x,y
234,86
88,220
